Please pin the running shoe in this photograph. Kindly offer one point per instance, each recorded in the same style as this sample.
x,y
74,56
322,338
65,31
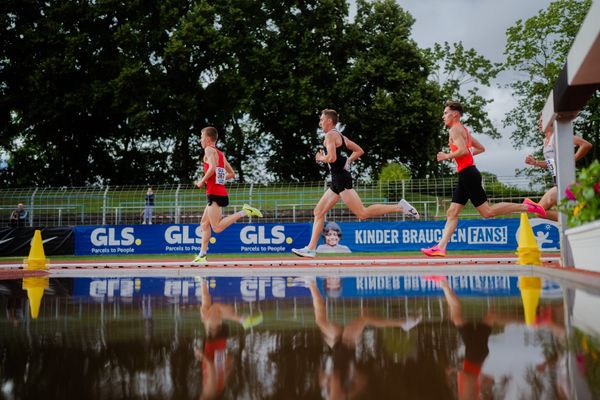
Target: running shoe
x,y
200,259
434,251
251,210
250,321
410,323
434,278
534,207
408,209
305,252
302,281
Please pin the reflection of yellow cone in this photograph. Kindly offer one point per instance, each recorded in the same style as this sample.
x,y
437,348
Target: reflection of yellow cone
x,y
528,250
35,290
37,257
531,288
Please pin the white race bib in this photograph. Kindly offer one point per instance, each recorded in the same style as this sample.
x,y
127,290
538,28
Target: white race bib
x,y
220,175
551,166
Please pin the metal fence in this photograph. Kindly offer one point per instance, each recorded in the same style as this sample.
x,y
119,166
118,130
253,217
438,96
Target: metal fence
x,y
285,202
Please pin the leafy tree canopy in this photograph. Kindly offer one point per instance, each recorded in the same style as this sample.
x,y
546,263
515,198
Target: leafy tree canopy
x,y
112,92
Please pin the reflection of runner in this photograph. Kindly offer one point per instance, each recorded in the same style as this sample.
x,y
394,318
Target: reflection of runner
x,y
341,377
475,336
332,234
217,362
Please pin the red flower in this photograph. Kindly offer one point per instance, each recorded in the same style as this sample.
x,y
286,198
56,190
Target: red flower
x,y
597,188
569,193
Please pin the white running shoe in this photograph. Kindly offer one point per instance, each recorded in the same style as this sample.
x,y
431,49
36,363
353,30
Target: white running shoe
x,y
302,281
408,209
410,323
305,252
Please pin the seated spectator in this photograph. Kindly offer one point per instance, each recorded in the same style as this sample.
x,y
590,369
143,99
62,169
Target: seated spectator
x,y
19,217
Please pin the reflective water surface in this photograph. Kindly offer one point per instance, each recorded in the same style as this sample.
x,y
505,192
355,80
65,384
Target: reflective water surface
x,y
409,336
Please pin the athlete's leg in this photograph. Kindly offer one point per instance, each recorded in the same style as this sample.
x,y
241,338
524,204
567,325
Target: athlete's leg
x,y
326,203
354,203
453,304
331,331
206,233
215,214
549,200
451,224
487,210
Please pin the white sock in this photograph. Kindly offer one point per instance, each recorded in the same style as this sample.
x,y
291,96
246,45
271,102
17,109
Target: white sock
x,y
242,213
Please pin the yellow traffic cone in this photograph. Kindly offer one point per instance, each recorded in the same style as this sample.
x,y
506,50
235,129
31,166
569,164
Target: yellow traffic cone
x,y
531,288
35,290
528,250
37,257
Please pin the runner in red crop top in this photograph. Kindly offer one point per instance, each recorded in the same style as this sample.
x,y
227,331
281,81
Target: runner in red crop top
x,y
466,160
469,186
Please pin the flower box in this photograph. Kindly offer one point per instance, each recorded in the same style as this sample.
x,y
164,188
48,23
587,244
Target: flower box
x,y
585,245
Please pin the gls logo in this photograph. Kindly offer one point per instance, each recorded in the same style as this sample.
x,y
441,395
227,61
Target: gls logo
x,y
108,237
181,235
256,235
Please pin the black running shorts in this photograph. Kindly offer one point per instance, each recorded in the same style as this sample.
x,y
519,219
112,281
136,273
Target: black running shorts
x,y
341,181
475,337
222,201
469,187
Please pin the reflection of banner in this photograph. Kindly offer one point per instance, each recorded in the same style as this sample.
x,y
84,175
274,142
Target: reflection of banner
x,y
17,241
228,289
491,235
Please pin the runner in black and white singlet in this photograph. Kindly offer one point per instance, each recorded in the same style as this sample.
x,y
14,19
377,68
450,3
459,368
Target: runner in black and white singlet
x,y
341,183
550,198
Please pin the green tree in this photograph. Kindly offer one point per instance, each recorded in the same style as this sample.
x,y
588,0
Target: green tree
x,y
536,49
388,105
460,72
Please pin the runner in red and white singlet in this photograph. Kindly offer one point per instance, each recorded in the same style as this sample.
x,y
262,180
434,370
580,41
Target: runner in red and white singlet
x,y
216,172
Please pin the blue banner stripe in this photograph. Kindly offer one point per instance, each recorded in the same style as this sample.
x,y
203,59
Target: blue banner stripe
x,y
490,235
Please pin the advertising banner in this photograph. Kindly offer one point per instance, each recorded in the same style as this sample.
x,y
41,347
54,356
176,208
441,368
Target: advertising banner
x,y
344,237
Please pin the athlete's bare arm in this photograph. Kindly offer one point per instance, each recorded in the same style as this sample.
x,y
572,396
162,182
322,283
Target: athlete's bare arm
x,y
458,137
477,146
211,157
583,147
357,151
229,170
530,160
330,144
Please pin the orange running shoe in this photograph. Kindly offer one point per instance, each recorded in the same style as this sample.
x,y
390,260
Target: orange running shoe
x,y
434,251
534,207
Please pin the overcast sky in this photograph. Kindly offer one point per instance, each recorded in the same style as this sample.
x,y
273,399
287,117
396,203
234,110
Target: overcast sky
x,y
479,24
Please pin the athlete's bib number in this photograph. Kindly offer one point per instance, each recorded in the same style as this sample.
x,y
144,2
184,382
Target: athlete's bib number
x,y
551,166
220,175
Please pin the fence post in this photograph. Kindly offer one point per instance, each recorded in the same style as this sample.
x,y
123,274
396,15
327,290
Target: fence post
x,y
32,207
104,201
177,211
250,201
